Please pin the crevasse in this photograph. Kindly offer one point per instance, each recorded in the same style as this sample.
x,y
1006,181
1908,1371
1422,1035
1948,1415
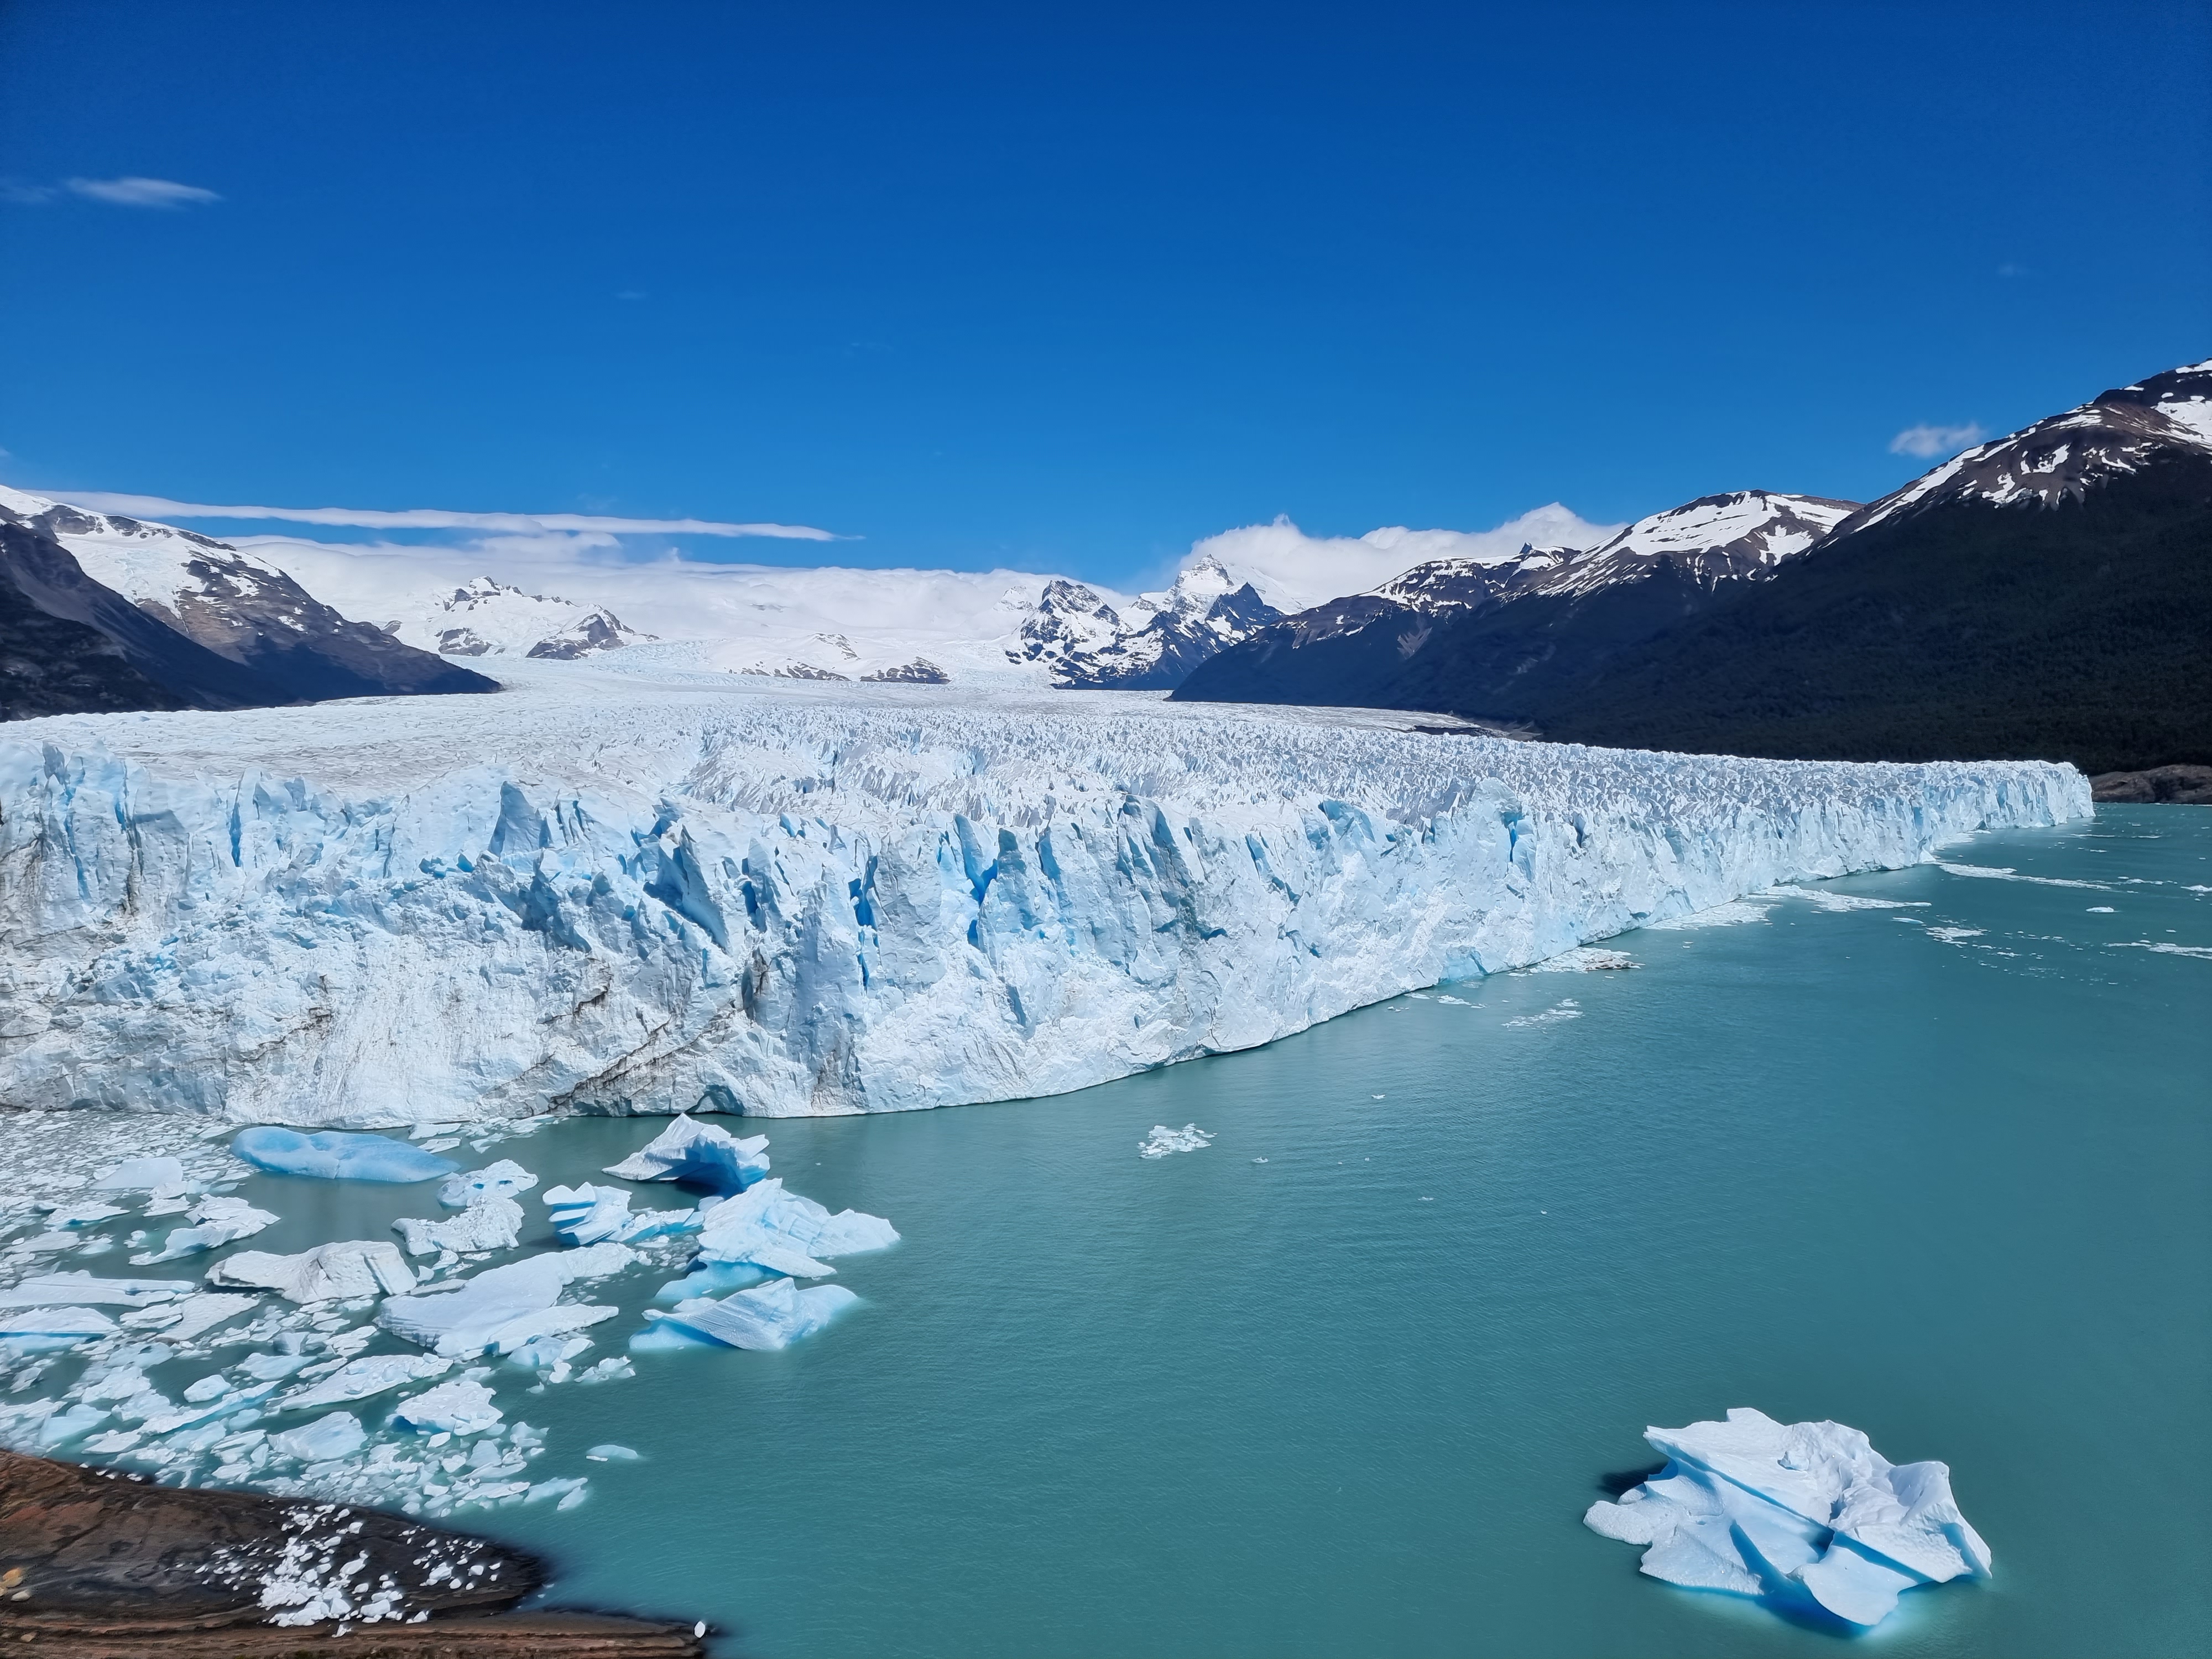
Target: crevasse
x,y
600,894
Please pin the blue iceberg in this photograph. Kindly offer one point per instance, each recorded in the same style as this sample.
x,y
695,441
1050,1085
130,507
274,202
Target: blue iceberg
x,y
334,1155
774,1315
687,1150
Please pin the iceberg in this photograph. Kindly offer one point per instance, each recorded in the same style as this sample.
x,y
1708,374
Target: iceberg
x,y
771,1228
589,1215
328,1272
332,1155
141,1174
83,1290
502,1308
216,1221
785,901
358,1379
490,1223
1805,1518
339,1435
1163,1141
460,1407
687,1150
504,1179
773,1315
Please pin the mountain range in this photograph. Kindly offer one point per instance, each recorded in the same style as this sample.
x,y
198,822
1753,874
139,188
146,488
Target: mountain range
x,y
2043,594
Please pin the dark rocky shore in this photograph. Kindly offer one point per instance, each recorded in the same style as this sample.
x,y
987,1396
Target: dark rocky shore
x,y
94,1563
2171,786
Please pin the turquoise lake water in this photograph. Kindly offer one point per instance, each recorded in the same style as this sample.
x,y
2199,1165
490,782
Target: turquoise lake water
x,y
1344,1381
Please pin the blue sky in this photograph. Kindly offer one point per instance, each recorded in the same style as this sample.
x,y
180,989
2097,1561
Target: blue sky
x,y
1069,288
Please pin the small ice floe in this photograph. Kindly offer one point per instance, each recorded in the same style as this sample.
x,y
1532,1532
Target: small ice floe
x,y
216,1221
143,1175
192,1315
337,1435
360,1379
502,1308
785,1233
1999,872
1565,1008
1953,935
1734,913
586,1214
329,1272
505,1179
687,1150
2164,948
462,1405
1827,900
37,1329
1585,959
610,1453
1163,1141
2101,910
770,1316
59,1216
1806,1518
490,1223
712,1279
83,1290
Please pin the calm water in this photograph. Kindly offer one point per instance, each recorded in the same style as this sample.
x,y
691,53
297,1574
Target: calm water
x,y
1344,1381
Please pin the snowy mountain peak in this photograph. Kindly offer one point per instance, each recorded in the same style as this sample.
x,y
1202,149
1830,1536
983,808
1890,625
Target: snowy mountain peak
x,y
1714,538
2063,456
483,617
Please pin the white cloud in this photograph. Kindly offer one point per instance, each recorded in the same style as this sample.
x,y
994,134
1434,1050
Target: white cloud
x,y
427,518
1293,570
1926,442
141,192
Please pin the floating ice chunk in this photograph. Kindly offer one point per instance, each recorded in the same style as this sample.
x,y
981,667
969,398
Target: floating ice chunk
x,y
505,1179
1163,1141
67,1423
1827,900
169,1420
76,1323
687,1150
1800,1515
358,1379
82,1289
329,1272
79,1215
217,1221
548,1354
773,1315
141,1174
334,1155
339,1435
611,1452
784,1232
612,1369
712,1279
1586,959
590,1215
462,1405
490,1223
200,1312
566,1488
502,1308
1734,913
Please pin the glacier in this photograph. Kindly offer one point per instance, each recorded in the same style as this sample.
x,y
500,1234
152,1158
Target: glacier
x,y
1805,1518
607,893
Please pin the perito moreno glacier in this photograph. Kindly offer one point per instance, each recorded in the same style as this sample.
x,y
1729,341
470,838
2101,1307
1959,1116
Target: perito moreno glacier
x,y
599,892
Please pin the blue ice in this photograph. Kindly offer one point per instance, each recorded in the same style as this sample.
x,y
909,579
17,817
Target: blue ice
x,y
334,1155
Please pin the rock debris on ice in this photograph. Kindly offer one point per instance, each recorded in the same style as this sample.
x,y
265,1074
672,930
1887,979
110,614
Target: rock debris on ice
x,y
1805,1518
647,896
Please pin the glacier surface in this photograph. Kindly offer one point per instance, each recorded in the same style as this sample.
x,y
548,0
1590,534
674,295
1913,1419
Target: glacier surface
x,y
1806,1517
605,893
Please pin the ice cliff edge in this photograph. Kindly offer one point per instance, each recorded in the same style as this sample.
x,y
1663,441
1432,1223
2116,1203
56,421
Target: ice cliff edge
x,y
652,897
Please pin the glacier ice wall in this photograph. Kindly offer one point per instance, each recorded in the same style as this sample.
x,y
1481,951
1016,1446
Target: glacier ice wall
x,y
600,894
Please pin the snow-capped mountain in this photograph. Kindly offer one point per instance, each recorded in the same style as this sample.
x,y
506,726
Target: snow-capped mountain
x,y
2062,457
1362,647
240,607
483,617
1151,642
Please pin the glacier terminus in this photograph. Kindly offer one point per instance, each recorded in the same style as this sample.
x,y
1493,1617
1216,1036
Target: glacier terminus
x,y
607,892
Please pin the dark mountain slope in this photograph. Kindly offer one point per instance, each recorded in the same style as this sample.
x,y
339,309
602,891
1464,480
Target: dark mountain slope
x,y
1965,630
72,646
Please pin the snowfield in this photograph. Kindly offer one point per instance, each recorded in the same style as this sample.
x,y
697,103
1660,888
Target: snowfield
x,y
604,891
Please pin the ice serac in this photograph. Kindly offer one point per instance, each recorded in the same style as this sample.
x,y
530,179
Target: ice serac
x,y
1807,1517
647,897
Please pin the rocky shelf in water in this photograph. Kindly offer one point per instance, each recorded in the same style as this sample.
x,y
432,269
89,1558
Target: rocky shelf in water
x,y
98,1562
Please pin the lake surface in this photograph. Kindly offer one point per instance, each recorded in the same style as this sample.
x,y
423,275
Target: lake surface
x,y
1344,1380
